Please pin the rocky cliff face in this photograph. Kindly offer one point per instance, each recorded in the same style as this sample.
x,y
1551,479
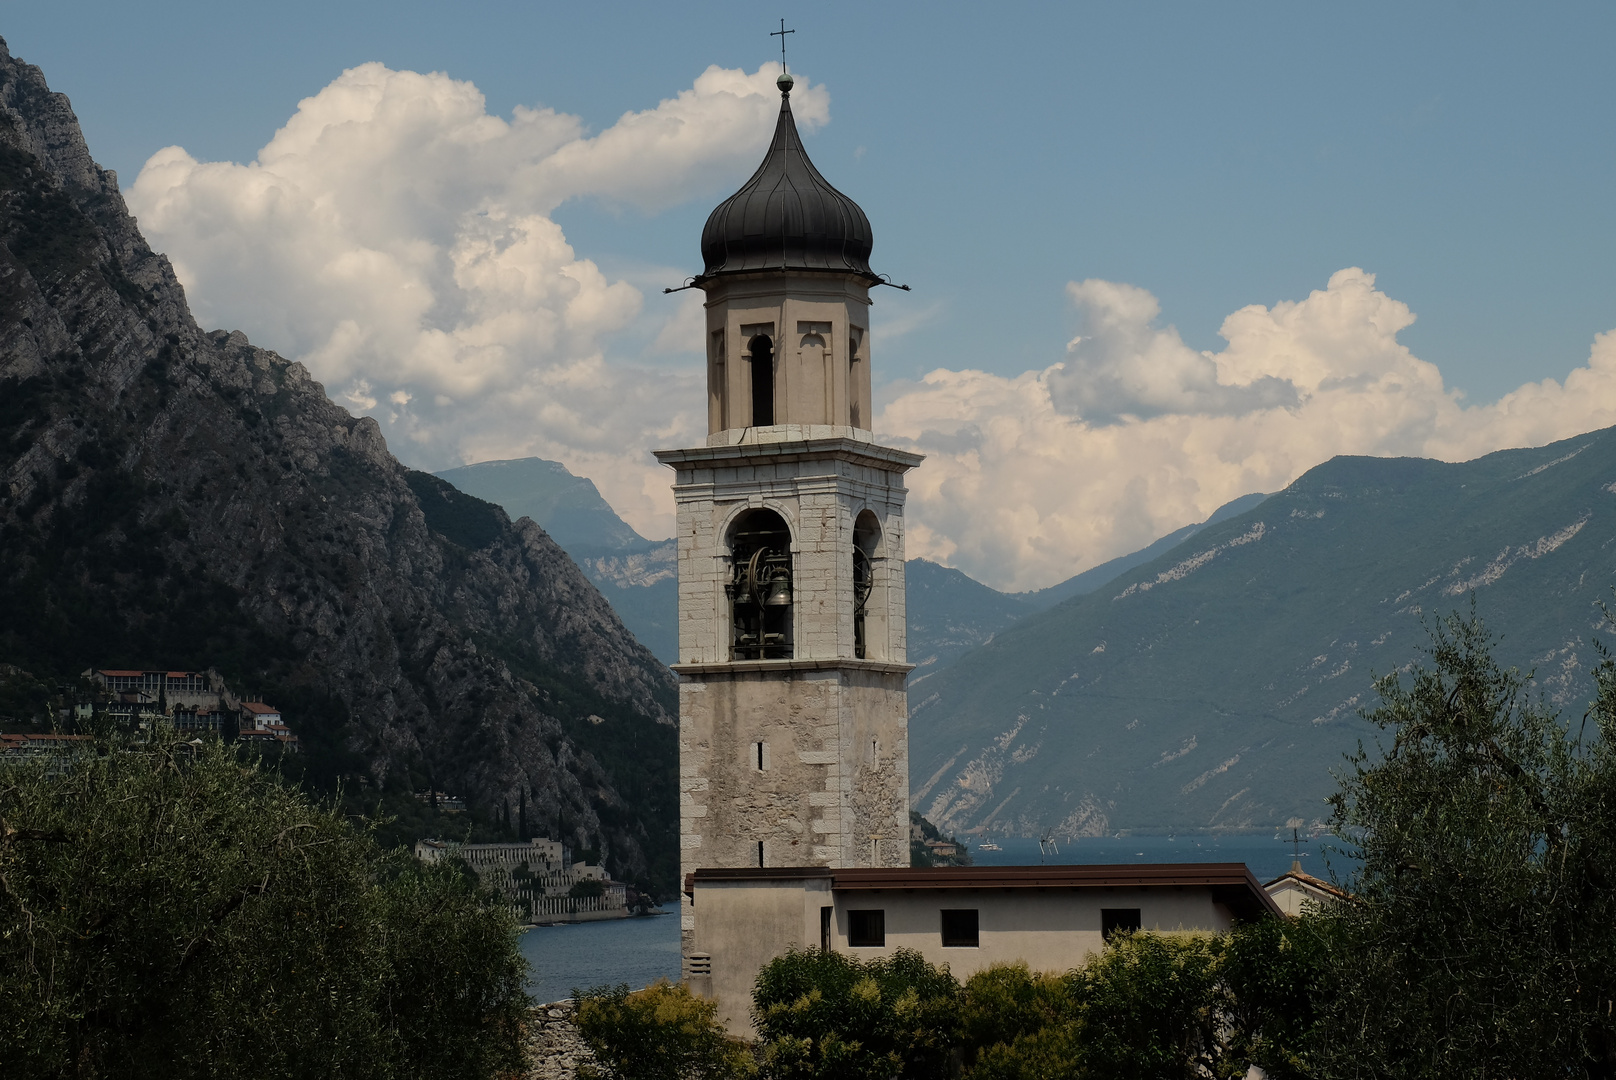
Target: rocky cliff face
x,y
170,496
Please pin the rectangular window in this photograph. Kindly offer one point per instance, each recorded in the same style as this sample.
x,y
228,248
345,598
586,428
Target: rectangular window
x,y
1115,919
960,929
825,916
760,853
760,755
867,929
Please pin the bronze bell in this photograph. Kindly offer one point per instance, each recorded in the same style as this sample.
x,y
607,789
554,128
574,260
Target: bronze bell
x,y
778,593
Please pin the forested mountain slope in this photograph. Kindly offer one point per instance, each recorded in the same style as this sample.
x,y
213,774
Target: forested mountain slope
x,y
170,497
1217,685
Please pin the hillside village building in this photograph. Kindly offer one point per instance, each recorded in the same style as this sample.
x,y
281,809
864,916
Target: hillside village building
x,y
793,719
537,877
190,700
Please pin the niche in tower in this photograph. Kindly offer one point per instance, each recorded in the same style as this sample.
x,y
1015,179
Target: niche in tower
x,y
761,351
855,378
760,587
866,537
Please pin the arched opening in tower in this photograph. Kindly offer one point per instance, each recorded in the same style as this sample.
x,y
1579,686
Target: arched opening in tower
x,y
760,587
866,538
762,352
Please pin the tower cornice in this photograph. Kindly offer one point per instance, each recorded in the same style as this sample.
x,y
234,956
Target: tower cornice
x,y
755,450
778,667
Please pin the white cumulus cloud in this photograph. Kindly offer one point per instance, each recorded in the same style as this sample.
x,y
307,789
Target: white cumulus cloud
x,y
397,239
1033,478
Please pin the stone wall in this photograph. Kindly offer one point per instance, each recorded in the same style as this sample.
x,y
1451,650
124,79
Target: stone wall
x,y
554,1047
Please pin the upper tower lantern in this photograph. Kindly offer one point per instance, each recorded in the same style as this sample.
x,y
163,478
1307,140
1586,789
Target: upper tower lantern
x,y
787,277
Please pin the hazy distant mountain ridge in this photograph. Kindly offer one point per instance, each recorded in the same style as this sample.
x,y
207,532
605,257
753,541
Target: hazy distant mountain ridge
x,y
568,507
1217,685
638,576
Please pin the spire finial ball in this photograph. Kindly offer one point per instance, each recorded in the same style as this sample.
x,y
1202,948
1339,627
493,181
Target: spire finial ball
x,y
785,82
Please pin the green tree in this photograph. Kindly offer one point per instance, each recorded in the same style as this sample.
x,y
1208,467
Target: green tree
x,y
1481,936
826,1014
660,1033
1151,1005
174,910
1017,1024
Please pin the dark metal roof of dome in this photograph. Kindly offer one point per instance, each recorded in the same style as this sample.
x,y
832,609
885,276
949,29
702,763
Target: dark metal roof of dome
x,y
787,217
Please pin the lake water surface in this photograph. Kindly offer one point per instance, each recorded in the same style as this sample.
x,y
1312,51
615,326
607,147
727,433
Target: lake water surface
x,y
640,951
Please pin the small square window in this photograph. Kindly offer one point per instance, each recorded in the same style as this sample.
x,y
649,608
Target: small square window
x,y
867,929
960,929
1122,918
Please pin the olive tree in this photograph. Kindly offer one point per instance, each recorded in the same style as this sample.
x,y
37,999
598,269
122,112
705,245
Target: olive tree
x,y
1480,939
171,909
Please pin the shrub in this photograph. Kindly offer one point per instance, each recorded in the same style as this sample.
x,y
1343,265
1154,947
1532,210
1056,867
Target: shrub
x,y
173,910
660,1033
1152,1006
1007,1001
1149,1006
825,1014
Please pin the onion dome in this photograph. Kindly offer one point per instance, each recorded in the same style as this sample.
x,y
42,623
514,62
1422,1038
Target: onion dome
x,y
787,217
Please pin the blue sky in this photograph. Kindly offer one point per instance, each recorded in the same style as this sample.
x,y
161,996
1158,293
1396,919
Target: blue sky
x,y
1216,156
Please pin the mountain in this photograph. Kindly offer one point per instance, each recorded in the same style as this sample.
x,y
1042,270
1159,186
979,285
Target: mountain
x,y
638,576
951,613
568,507
1217,685
177,498
1096,576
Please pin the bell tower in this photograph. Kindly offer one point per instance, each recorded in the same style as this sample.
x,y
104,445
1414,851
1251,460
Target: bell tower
x,y
793,720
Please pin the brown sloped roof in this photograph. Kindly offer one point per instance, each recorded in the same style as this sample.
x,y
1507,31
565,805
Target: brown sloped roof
x,y
1231,884
1309,880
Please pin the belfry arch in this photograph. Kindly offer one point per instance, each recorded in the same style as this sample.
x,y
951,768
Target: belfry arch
x,y
760,587
868,608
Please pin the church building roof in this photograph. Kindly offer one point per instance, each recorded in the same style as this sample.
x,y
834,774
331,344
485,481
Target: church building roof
x,y
787,216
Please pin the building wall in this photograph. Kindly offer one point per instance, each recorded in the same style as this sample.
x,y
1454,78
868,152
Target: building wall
x,y
743,925
832,789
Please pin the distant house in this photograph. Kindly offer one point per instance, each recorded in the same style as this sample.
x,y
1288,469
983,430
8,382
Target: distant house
x,y
1294,889
16,746
260,717
261,723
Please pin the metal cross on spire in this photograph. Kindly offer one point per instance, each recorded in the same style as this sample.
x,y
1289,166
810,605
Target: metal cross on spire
x,y
781,34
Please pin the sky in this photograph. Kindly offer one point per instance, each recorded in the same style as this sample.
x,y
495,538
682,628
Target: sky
x,y
1161,255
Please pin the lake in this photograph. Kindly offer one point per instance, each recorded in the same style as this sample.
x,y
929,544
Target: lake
x,y
636,951
640,951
